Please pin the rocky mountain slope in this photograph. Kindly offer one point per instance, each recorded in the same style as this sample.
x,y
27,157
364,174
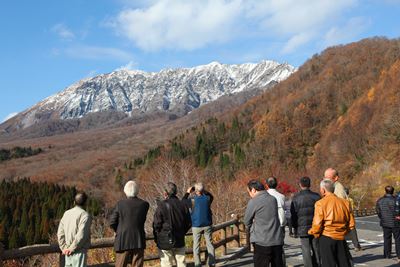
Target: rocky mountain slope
x,y
133,92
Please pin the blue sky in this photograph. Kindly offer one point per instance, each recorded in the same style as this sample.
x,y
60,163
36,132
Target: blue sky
x,y
47,45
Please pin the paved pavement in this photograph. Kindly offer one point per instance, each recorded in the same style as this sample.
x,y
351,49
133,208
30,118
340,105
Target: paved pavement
x,y
370,236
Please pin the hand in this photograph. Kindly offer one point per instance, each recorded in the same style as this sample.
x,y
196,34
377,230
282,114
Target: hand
x,y
67,252
190,190
397,218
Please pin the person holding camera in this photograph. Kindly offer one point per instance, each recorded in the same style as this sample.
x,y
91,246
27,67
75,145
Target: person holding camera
x,y
171,223
200,206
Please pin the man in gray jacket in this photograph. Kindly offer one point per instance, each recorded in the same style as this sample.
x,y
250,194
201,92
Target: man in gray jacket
x,y
74,233
262,221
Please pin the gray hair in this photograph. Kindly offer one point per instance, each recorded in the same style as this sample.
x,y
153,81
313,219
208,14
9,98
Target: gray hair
x,y
80,199
327,184
198,187
131,189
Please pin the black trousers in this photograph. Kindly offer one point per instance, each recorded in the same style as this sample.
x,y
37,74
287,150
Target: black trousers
x,y
334,252
310,251
263,256
289,225
387,241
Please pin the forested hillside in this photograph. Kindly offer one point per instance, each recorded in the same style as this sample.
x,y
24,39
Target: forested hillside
x,y
340,109
28,210
18,152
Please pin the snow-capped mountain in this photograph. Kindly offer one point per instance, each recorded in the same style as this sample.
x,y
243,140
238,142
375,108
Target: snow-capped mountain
x,y
136,92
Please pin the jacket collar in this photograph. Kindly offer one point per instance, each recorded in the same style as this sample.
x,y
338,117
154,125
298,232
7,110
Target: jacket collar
x,y
329,194
260,193
304,191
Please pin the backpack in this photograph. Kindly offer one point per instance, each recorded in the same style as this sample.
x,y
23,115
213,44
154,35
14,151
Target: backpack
x,y
166,239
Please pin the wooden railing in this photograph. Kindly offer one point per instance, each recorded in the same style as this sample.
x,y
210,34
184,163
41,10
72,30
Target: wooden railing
x,y
364,212
230,232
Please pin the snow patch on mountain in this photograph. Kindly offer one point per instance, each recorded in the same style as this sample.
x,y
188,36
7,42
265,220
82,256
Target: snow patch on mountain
x,y
176,90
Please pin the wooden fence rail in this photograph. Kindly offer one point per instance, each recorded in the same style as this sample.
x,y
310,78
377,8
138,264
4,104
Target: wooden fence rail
x,y
364,212
230,233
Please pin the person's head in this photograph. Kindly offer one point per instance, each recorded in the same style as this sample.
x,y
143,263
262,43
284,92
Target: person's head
x,y
253,187
331,174
80,199
305,182
272,182
326,186
198,188
170,190
131,189
389,190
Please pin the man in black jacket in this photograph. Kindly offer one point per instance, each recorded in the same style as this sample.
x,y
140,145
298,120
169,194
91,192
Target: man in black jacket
x,y
385,207
302,211
171,216
127,220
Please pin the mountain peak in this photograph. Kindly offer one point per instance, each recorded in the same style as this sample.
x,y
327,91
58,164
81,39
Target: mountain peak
x,y
178,91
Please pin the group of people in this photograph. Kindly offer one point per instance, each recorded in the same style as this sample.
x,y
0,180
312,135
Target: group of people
x,y
172,220
321,221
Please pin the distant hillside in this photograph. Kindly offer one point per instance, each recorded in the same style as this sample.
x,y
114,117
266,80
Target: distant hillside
x,y
87,152
340,109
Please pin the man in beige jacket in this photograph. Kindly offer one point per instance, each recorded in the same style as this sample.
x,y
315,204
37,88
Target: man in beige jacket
x,y
74,233
333,175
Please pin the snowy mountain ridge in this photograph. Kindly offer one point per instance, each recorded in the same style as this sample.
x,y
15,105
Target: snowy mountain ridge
x,y
173,90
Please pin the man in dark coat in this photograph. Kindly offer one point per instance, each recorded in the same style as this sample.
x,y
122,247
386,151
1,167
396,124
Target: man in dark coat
x,y
172,215
127,220
386,209
302,211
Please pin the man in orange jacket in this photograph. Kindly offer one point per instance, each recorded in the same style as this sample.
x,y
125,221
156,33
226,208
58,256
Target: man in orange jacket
x,y
332,220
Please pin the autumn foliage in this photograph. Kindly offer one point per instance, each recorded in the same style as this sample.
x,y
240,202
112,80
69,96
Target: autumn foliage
x,y
340,109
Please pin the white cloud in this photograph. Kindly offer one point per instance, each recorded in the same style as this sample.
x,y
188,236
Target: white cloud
x,y
9,116
131,65
189,25
294,17
63,32
179,24
296,41
347,33
97,52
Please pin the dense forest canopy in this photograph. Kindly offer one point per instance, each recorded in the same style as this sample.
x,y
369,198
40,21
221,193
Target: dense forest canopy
x,y
29,210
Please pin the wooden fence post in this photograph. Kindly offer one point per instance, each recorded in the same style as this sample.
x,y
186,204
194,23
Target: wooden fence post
x,y
1,254
236,231
224,250
248,240
61,260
